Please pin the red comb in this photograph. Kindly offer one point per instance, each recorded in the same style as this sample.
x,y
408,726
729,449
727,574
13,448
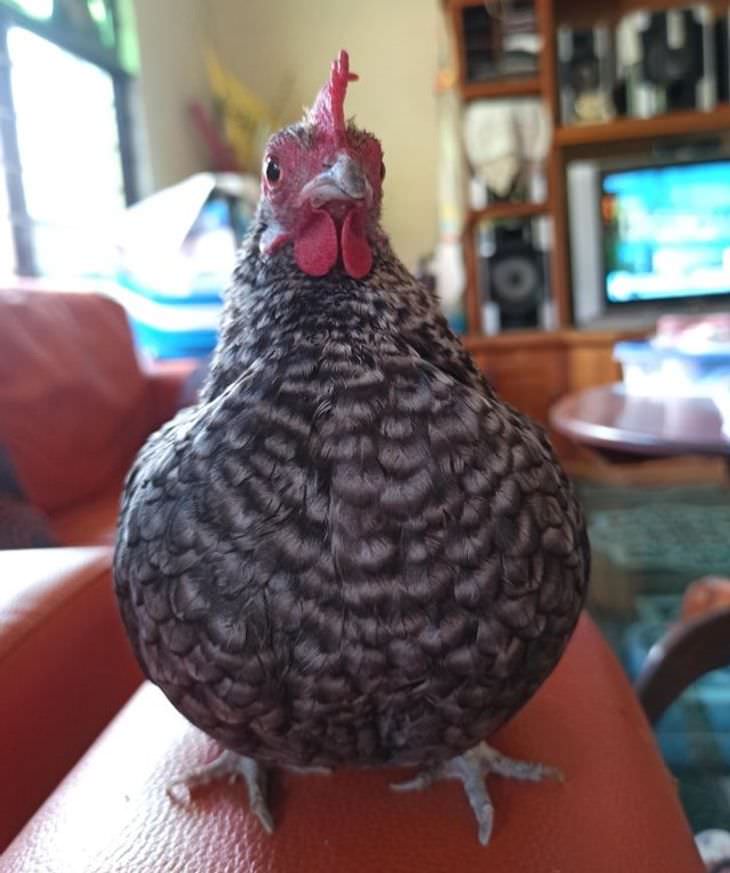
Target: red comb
x,y
328,112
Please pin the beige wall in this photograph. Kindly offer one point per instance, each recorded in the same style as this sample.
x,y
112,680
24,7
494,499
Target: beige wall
x,y
284,47
172,72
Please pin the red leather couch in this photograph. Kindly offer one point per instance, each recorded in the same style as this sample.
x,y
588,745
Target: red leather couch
x,y
75,405
66,670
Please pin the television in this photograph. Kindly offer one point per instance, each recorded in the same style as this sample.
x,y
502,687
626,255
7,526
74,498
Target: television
x,y
648,239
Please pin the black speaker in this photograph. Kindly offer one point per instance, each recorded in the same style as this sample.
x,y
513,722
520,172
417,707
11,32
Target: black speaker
x,y
668,60
586,70
513,274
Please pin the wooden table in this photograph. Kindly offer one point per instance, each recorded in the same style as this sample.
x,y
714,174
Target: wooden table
x,y
621,424
618,423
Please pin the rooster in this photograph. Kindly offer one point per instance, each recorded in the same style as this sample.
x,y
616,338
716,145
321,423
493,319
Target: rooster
x,y
349,552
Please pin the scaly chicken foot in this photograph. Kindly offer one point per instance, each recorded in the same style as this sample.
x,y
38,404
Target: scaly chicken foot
x,y
470,769
229,766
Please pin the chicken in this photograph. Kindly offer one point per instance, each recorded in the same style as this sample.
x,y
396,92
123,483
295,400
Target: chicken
x,y
350,552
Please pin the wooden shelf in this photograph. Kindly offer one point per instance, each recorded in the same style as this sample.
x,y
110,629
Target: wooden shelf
x,y
579,13
502,211
517,86
521,339
536,338
623,129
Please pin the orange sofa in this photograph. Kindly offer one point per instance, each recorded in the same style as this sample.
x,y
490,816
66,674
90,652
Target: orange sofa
x,y
66,672
75,405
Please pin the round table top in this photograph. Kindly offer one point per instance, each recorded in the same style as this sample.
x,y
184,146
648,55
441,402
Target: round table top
x,y
609,418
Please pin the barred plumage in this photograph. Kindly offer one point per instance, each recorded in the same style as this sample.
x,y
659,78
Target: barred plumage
x,y
350,551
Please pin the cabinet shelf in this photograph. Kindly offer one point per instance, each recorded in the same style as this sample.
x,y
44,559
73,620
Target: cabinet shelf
x,y
501,211
625,129
527,338
517,86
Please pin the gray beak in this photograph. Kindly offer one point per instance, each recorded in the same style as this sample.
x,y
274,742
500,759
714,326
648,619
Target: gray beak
x,y
348,175
344,180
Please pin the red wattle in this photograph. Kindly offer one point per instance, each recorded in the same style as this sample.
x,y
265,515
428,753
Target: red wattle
x,y
356,253
315,246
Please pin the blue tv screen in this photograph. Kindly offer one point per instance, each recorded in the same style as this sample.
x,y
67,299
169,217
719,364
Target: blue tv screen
x,y
666,232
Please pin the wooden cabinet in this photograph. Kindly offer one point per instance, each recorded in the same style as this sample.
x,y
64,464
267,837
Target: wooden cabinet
x,y
590,360
530,374
533,369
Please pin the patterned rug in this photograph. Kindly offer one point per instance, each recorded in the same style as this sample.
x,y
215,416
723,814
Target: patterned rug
x,y
649,544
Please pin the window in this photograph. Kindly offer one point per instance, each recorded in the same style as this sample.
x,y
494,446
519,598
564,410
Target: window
x,y
65,157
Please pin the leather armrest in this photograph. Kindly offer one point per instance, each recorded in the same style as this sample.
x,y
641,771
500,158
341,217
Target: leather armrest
x,y
65,669
166,380
617,812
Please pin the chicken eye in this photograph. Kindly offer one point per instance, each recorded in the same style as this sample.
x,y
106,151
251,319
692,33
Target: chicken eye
x,y
272,171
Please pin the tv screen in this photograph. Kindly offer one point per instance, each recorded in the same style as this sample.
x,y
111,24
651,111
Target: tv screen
x,y
666,232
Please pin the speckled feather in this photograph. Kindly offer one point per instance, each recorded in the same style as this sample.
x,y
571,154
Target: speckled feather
x,y
350,551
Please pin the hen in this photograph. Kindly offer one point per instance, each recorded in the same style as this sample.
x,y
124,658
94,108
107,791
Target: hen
x,y
350,551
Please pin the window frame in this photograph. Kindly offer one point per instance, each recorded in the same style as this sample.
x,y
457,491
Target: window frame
x,y
66,39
